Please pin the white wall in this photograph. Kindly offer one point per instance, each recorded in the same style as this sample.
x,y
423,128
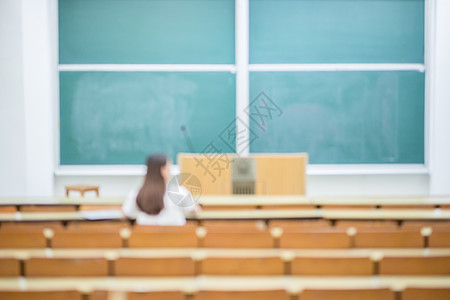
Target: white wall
x,y
39,67
28,109
323,185
26,103
12,117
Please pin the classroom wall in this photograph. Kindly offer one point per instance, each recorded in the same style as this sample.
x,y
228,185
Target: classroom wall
x,y
27,94
12,118
40,59
29,105
317,185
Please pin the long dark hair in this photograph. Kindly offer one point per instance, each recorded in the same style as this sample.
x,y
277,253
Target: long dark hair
x,y
150,198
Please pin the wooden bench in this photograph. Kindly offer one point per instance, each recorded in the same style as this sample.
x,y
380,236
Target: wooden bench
x,y
48,208
238,266
411,293
332,266
347,294
9,267
167,266
41,295
315,240
166,295
162,237
320,289
389,239
242,295
361,225
87,239
238,239
67,267
27,239
295,225
415,265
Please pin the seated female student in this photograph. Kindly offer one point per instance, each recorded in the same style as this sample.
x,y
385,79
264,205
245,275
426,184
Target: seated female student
x,y
152,205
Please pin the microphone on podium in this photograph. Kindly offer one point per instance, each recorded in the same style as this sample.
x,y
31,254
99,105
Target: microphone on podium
x,y
188,139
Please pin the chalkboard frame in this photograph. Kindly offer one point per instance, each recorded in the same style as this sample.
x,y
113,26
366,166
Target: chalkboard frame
x,y
378,165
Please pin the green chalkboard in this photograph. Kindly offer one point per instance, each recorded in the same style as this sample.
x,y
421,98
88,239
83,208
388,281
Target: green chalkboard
x,y
340,117
121,117
146,31
337,31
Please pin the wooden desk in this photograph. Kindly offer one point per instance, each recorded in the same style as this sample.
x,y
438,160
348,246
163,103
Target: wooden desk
x,y
377,200
18,202
402,215
422,215
197,252
325,214
256,215
262,200
238,200
290,283
50,216
206,215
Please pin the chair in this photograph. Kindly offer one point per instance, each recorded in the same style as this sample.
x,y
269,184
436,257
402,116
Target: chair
x,y
419,265
426,294
362,225
190,223
409,206
242,266
291,206
314,240
189,227
439,239
347,294
228,207
31,239
234,225
85,207
163,237
243,295
87,239
435,225
9,267
98,225
53,267
347,207
389,239
297,225
238,239
8,209
82,189
48,208
30,226
41,295
102,295
156,295
161,266
332,266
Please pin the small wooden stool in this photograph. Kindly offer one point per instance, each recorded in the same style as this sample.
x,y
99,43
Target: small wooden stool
x,y
81,189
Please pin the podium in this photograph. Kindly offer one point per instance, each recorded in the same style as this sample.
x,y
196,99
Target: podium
x,y
255,174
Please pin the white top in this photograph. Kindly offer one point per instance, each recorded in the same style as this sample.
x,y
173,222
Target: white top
x,y
175,205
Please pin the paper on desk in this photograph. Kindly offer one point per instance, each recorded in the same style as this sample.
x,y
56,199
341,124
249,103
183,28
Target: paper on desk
x,y
102,214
